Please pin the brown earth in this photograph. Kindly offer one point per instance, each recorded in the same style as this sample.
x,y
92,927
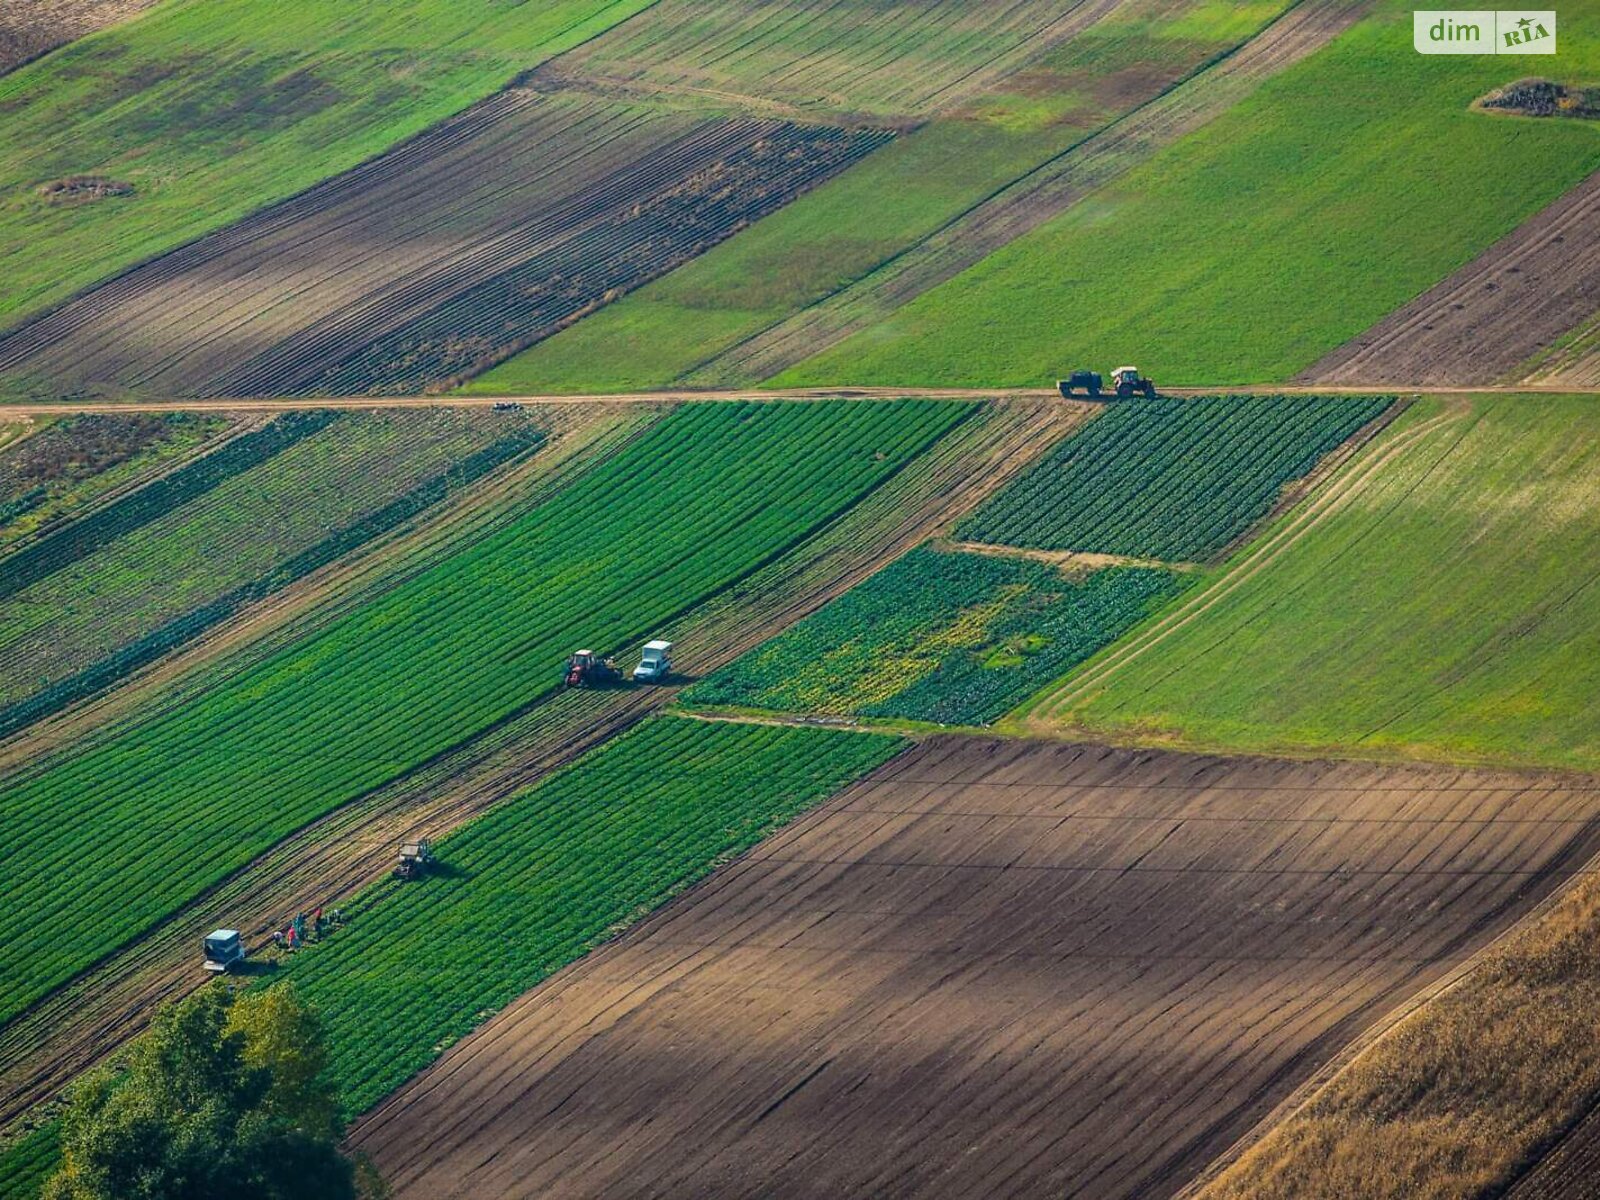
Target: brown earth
x,y
29,28
330,860
1487,322
1570,1171
488,231
994,968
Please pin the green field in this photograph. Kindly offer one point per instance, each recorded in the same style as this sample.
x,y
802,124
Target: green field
x,y
1177,480
699,500
1342,188
956,639
1447,606
551,873
69,463
28,1161
211,109
661,334
266,520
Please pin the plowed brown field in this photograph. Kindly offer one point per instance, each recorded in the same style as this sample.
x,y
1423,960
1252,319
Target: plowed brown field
x,y
1513,303
29,28
487,232
994,968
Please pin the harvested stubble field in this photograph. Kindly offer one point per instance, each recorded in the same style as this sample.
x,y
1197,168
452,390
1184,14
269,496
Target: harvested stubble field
x,y
484,234
991,968
169,571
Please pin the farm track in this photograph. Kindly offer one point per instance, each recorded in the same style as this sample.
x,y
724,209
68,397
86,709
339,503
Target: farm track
x,y
331,859
992,968
1034,199
577,196
999,395
1509,306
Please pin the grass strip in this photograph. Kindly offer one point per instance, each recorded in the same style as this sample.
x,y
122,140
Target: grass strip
x,y
82,538
192,624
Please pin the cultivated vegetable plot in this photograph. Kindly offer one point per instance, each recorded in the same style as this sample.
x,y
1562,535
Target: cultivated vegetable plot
x,y
1178,480
945,637
547,875
202,557
55,472
699,500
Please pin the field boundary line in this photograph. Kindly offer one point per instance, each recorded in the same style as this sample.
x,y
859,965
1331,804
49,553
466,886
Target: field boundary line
x,y
1260,554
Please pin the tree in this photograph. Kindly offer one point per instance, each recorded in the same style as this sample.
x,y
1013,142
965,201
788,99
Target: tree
x,y
227,1095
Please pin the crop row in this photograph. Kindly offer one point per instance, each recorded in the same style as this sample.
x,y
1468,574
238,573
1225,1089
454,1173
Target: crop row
x,y
238,532
552,872
957,639
82,538
718,193
1178,480
185,628
28,1161
52,474
851,58
696,502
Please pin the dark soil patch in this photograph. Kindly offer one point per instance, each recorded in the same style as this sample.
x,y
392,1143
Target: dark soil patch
x,y
80,189
1536,97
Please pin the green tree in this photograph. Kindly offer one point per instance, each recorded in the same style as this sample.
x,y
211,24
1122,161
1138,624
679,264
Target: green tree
x,y
227,1095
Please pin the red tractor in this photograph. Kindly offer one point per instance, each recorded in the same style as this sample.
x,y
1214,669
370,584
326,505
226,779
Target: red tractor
x,y
588,669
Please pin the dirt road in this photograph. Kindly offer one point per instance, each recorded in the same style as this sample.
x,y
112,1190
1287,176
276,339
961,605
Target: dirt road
x,y
995,968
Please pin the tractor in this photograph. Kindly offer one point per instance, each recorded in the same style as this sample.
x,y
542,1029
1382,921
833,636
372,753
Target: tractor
x,y
416,860
1128,381
1090,381
588,669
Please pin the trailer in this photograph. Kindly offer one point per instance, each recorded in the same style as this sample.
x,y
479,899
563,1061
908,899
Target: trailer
x,y
223,949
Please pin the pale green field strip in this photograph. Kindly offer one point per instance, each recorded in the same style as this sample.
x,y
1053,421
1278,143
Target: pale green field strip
x,y
89,625
196,792
1337,192
677,328
56,470
1438,598
211,109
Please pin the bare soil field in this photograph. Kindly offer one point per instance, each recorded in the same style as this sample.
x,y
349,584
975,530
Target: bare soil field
x,y
1161,119
1511,306
42,1050
1570,1171
992,968
29,28
469,241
